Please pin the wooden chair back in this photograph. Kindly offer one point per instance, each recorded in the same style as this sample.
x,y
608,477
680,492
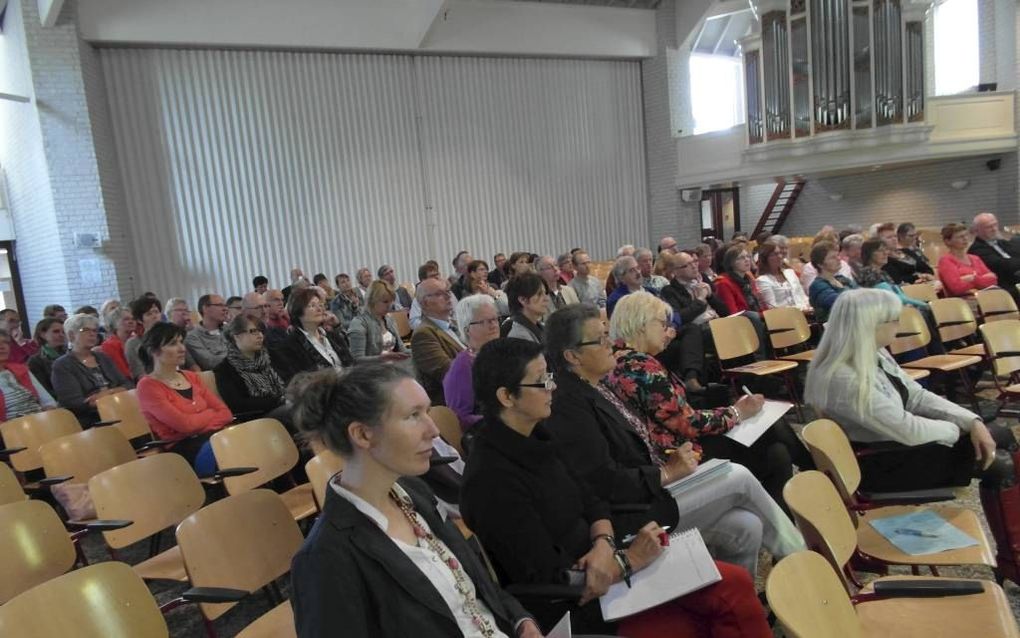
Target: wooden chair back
x,y
954,318
822,518
36,547
401,322
809,600
106,600
320,468
209,381
123,407
262,443
923,291
787,327
449,425
10,489
155,493
244,541
85,454
734,337
32,430
1002,336
831,451
911,321
996,304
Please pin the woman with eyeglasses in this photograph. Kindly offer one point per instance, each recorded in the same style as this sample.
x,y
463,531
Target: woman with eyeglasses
x,y
82,376
372,332
477,282
962,273
529,301
907,262
538,522
478,324
606,444
308,346
246,379
736,286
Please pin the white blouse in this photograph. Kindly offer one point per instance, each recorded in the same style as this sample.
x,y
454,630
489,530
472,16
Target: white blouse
x,y
785,292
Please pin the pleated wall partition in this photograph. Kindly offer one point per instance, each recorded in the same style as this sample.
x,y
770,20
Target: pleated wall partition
x,y
237,163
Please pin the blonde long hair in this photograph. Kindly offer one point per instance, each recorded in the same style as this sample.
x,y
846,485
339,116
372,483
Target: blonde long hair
x,y
850,341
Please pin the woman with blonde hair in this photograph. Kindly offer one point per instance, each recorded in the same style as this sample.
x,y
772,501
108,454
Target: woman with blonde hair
x,y
373,332
647,388
915,439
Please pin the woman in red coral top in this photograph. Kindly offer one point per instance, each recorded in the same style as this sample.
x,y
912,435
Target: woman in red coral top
x,y
120,326
175,402
962,274
735,287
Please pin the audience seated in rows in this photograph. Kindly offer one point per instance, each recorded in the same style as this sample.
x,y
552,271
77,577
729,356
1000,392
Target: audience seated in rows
x,y
245,377
735,285
49,334
307,345
827,285
907,262
477,282
23,392
373,332
874,257
434,343
536,521
1001,256
81,376
560,294
585,285
347,303
205,342
778,284
961,272
478,324
176,404
529,304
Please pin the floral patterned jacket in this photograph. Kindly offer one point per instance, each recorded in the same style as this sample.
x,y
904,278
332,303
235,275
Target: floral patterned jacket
x,y
651,391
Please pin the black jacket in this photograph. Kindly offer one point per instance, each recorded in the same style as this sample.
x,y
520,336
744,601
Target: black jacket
x,y
1007,270
350,579
532,515
598,444
294,354
235,393
685,305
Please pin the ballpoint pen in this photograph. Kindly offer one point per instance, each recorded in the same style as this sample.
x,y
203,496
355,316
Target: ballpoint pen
x,y
913,532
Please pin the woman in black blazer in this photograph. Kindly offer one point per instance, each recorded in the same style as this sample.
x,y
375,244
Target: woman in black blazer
x,y
308,346
380,561
537,521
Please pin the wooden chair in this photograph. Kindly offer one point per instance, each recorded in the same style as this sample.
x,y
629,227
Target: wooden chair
x,y
996,304
1002,341
400,320
955,321
320,468
31,431
449,426
266,445
914,335
810,602
735,337
209,381
36,547
822,518
788,329
107,600
922,292
154,493
917,374
245,542
85,454
10,488
123,407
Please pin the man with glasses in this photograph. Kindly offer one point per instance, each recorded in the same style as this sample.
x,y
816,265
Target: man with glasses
x,y
254,306
206,343
434,343
628,277
587,287
1001,255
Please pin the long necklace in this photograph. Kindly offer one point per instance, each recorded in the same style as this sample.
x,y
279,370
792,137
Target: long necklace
x,y
462,580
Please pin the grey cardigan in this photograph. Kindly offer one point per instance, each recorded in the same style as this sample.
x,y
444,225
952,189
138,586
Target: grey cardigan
x,y
365,335
73,383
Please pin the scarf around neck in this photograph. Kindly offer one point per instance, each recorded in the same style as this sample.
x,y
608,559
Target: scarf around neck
x,y
258,375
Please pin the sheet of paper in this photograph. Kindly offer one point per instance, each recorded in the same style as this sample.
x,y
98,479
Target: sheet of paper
x,y
704,473
684,566
922,532
750,430
562,628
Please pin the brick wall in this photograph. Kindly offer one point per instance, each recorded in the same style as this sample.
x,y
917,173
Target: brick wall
x,y
919,194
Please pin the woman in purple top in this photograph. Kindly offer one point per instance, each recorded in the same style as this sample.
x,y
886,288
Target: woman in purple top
x,y
478,324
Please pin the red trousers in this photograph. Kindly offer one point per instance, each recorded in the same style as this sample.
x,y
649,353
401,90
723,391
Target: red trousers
x,y
727,609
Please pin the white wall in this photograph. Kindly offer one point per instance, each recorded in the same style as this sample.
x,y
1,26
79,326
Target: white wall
x,y
237,163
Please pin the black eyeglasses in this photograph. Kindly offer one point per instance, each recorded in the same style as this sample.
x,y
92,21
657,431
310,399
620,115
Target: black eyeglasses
x,y
603,341
545,384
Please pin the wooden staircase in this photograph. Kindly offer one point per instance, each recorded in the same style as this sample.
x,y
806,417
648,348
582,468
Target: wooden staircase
x,y
778,209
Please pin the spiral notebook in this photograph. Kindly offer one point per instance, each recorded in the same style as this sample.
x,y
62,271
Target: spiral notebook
x,y
683,567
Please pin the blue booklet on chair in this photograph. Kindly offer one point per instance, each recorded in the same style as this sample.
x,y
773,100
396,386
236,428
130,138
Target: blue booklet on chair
x,y
922,532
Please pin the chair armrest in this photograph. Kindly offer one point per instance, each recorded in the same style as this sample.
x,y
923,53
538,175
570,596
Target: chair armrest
x,y
54,480
10,451
629,508
213,595
100,525
775,331
900,335
228,472
928,588
1007,353
441,460
241,417
99,424
914,497
946,324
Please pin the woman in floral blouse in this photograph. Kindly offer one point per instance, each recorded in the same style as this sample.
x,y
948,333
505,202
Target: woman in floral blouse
x,y
645,386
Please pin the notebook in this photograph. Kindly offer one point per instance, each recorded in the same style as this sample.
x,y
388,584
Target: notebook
x,y
707,471
683,567
750,429
562,628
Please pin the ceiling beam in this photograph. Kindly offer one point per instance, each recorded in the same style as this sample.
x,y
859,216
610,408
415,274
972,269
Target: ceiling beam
x,y
49,11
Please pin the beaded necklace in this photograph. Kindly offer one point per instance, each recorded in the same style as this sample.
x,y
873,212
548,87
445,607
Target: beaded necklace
x,y
425,537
